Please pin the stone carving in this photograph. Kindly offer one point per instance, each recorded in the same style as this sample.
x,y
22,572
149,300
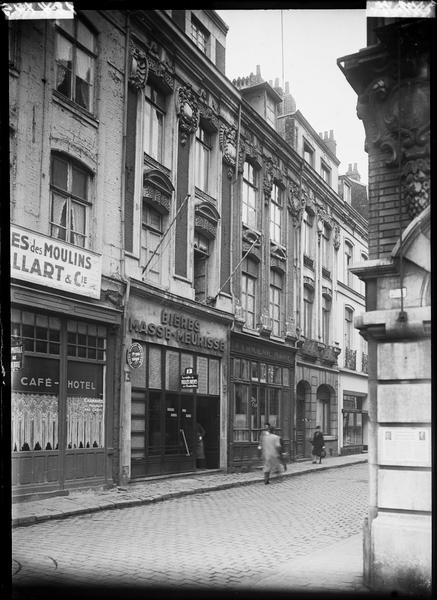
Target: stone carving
x,y
208,113
295,203
187,107
146,61
139,68
251,242
336,236
268,179
157,190
206,219
228,145
415,182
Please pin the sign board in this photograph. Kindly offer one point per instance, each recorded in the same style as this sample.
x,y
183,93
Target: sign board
x,y
50,262
16,358
408,446
189,380
135,355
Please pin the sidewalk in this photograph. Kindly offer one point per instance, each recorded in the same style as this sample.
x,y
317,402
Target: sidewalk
x,y
79,502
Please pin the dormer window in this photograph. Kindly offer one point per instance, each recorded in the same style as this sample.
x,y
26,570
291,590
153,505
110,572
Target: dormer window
x,y
270,112
199,35
346,192
326,173
308,153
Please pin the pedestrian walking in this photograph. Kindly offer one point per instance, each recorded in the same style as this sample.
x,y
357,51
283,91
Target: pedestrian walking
x,y
200,447
318,443
271,451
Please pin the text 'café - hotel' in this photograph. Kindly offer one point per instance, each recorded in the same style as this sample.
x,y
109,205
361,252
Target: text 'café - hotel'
x,y
180,253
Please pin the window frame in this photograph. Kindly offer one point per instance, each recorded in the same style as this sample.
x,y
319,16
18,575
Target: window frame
x,y
154,104
250,185
249,277
326,172
70,197
201,254
308,150
348,258
202,162
200,35
276,214
348,326
148,230
73,39
275,300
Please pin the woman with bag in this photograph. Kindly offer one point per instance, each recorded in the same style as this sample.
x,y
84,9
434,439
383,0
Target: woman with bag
x,y
318,443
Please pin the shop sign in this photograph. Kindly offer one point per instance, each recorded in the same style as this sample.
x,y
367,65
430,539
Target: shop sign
x,y
41,376
177,327
47,261
16,358
189,379
135,355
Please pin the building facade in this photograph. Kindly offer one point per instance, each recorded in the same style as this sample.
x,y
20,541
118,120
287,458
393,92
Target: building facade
x,y
391,79
192,271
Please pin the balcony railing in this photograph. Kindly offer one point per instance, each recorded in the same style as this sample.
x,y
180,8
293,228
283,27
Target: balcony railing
x,y
350,359
326,273
364,363
308,262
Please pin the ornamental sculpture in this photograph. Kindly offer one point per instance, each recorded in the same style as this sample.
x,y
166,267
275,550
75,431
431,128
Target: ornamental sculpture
x,y
295,203
228,145
208,113
139,68
188,112
336,236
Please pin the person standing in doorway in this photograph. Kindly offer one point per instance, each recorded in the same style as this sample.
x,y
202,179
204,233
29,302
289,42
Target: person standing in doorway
x,y
271,449
318,443
200,447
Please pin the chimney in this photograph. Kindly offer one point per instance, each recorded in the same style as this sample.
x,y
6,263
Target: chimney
x,y
277,82
258,72
330,141
321,135
287,87
325,135
353,173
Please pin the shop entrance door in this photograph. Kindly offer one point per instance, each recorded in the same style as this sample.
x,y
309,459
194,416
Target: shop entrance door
x,y
208,415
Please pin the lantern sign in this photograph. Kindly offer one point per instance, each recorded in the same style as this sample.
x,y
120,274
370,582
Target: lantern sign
x,y
16,358
189,380
135,355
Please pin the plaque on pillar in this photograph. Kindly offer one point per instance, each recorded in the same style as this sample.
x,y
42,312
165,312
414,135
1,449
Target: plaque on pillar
x,y
406,446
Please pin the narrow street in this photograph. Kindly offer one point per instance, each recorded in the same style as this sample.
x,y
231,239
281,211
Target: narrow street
x,y
220,540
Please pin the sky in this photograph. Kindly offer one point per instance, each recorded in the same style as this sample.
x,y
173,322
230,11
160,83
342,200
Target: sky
x,y
313,40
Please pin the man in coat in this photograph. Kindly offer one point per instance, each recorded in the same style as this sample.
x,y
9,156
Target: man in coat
x,y
271,449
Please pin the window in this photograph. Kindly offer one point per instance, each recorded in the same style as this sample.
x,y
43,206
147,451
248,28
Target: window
x,y
249,277
75,62
308,299
326,173
154,104
201,255
69,185
348,320
199,35
363,283
270,112
352,420
275,214
326,312
326,247
276,283
324,399
307,233
151,235
347,277
308,153
249,212
203,153
346,192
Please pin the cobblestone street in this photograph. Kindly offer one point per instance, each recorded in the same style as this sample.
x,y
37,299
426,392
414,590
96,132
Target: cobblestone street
x,y
224,539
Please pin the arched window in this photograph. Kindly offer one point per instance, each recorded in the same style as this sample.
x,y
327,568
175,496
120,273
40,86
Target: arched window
x,y
70,200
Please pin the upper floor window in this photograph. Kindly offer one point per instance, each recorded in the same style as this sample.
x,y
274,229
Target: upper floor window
x,y
308,153
270,112
326,173
346,192
201,255
153,128
199,35
70,191
249,276
276,284
249,208
348,252
203,154
275,214
75,61
348,326
363,283
308,299
326,247
151,234
307,233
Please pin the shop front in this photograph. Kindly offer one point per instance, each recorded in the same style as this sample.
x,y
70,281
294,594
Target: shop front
x,y
262,380
177,388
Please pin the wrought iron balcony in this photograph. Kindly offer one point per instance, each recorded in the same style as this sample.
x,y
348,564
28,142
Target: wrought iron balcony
x,y
350,359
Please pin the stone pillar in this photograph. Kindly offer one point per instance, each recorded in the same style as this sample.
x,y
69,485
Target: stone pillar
x,y
391,79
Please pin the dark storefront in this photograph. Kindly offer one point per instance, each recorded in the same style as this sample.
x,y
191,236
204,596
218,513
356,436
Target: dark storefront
x,y
177,384
63,388
262,379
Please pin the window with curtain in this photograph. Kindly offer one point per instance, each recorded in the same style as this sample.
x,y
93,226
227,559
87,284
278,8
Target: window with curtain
x,y
249,276
70,192
203,153
348,252
153,125
75,61
276,283
275,214
152,229
200,267
249,208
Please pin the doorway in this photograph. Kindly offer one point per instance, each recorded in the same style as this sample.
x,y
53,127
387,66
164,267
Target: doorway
x,y
208,415
302,392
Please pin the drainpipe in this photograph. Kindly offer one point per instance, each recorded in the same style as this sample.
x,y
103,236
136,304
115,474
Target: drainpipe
x,y
125,387
232,198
